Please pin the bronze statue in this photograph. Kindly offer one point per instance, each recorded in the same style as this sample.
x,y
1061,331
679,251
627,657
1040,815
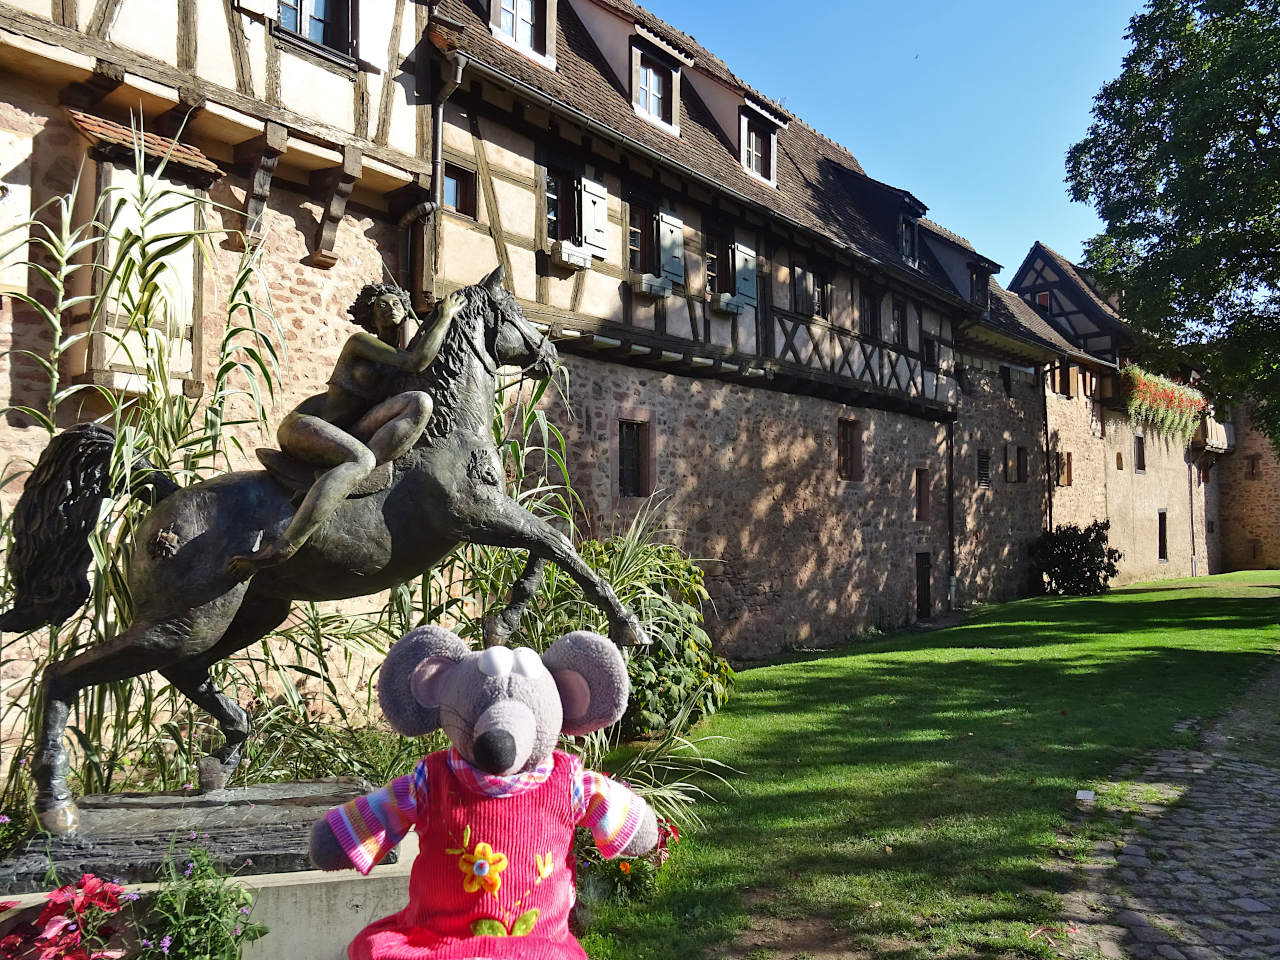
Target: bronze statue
x,y
354,426
191,610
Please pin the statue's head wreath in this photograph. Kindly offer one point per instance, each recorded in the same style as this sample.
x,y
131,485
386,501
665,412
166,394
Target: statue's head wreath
x,y
362,310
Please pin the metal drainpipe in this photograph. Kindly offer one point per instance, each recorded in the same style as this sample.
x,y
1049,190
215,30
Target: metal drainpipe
x,y
951,519
1048,465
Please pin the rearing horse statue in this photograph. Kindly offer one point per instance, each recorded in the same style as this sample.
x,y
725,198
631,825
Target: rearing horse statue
x,y
190,610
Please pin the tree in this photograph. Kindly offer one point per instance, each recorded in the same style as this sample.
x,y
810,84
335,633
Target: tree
x,y
1182,162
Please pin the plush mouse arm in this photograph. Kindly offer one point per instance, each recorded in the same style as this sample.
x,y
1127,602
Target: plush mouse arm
x,y
621,823
362,831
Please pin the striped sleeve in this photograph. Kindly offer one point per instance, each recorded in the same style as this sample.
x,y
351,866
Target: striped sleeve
x,y
368,827
609,809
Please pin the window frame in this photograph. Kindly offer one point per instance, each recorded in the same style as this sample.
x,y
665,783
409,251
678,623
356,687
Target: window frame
x,y
542,28
649,257
1162,536
630,487
899,312
1139,453
717,246
568,218
869,327
850,451
909,239
647,58
338,47
467,201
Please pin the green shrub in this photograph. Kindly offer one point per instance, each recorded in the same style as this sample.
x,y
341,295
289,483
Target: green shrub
x,y
1074,560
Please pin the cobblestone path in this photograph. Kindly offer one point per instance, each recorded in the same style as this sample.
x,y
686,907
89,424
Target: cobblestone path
x,y
1196,874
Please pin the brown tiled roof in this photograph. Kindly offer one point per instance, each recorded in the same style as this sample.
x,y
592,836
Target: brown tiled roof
x,y
1009,312
820,183
946,234
112,134
1084,280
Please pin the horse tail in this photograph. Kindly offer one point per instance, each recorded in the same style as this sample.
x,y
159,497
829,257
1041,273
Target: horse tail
x,y
50,555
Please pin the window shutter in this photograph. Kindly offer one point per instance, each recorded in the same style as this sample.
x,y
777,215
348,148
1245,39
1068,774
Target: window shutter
x,y
671,246
744,273
593,203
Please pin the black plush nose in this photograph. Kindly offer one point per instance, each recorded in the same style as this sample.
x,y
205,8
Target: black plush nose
x,y
495,751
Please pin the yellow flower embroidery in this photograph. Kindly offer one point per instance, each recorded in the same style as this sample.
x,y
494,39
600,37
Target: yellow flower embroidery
x,y
545,864
482,869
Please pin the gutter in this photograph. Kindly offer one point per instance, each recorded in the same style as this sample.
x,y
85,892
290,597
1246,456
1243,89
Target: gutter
x,y
531,92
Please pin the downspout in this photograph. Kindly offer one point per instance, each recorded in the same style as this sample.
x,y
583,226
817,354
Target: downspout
x,y
951,519
1048,461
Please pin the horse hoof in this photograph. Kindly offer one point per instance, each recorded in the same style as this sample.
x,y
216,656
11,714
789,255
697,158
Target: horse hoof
x,y
214,774
629,633
60,820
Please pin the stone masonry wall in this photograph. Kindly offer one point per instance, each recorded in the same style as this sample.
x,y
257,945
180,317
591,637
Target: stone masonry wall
x,y
995,525
1106,484
748,478
1250,485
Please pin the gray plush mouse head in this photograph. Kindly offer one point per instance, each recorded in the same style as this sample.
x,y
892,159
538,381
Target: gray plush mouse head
x,y
502,708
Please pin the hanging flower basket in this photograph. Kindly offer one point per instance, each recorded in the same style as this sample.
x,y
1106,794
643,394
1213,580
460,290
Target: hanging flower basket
x,y
1170,408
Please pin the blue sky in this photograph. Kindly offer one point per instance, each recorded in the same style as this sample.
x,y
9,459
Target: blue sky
x,y
971,107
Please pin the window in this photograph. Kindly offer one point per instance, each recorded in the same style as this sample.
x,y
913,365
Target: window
x,y
929,353
1022,466
898,334
719,263
1119,460
562,219
869,316
757,154
922,494
809,290
849,449
1255,467
524,21
1043,300
1140,454
326,22
1162,536
640,239
1064,469
460,190
1064,376
907,238
633,459
1006,380
653,89
978,292
984,469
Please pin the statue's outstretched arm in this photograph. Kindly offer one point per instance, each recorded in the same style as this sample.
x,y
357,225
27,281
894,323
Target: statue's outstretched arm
x,y
366,346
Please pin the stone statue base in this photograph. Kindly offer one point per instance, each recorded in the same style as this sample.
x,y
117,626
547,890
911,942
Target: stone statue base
x,y
259,829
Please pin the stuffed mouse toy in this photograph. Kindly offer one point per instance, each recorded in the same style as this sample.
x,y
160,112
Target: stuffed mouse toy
x,y
495,812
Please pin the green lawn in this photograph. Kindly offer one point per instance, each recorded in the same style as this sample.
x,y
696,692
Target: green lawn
x,y
904,796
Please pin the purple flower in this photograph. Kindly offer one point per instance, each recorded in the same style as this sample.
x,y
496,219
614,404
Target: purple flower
x,y
193,833
248,861
164,944
245,911
130,897
190,866
188,786
22,762
145,942
4,818
235,931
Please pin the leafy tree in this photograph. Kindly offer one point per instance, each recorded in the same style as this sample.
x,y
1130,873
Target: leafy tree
x,y
1182,162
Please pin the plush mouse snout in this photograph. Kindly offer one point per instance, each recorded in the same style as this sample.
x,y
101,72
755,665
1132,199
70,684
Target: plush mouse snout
x,y
504,737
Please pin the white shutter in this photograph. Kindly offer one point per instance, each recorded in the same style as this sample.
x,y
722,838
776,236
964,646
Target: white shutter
x,y
744,272
593,203
671,246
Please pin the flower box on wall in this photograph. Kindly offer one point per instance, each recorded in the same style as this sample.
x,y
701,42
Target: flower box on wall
x,y
1172,409
724,303
649,285
571,255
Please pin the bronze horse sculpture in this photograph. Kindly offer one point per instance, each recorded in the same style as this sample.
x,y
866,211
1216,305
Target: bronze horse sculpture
x,y
190,610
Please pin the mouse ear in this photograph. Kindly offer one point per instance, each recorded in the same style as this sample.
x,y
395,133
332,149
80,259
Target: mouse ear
x,y
592,679
413,677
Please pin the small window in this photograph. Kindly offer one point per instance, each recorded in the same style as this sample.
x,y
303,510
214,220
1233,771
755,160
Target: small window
x,y
907,239
869,316
633,459
922,494
1140,454
849,449
1119,460
1006,380
641,239
898,334
757,155
978,286
984,469
460,190
929,353
1162,536
719,263
809,290
1042,300
562,219
1255,467
326,22
1064,468
1023,465
653,90
523,23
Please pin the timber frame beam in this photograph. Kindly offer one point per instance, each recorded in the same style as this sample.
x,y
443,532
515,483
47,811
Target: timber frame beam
x,y
259,156
333,187
85,94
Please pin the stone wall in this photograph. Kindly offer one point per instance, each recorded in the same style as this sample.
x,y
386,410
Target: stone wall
x,y
748,480
1249,480
1105,483
996,523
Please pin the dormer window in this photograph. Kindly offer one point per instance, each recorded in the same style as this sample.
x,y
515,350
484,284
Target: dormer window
x,y
653,89
758,139
907,236
979,280
527,26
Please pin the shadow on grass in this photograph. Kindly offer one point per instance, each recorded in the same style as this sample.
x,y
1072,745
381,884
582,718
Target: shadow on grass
x,y
912,790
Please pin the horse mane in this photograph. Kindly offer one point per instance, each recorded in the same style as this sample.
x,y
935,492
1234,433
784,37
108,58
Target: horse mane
x,y
444,379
